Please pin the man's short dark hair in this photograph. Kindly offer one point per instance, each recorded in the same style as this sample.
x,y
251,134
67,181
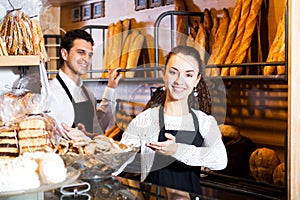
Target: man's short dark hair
x,y
68,40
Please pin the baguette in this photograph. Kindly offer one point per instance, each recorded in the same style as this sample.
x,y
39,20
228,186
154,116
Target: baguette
x,y
213,33
134,54
207,21
277,49
117,45
110,130
125,51
247,37
219,40
201,42
232,29
125,29
181,23
109,45
246,5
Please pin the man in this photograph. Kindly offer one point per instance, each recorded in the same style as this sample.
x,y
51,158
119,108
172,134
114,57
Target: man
x,y
71,102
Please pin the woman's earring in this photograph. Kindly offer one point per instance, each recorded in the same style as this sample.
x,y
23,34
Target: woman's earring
x,y
195,92
163,88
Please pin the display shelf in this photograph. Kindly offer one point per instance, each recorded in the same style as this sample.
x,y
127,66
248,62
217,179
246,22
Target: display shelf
x,y
19,61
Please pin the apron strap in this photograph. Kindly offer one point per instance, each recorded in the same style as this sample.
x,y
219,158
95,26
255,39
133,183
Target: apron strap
x,y
71,98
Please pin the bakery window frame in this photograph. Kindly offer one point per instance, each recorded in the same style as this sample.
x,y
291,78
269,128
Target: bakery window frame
x,y
76,14
86,12
154,3
141,5
98,9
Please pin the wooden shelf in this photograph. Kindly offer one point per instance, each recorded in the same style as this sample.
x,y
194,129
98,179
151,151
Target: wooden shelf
x,y
19,61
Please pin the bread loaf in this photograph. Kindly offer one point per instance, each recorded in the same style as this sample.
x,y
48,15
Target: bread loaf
x,y
35,133
8,143
262,162
279,175
247,36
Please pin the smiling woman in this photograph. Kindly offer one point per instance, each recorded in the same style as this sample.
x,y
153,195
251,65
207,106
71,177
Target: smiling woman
x,y
176,139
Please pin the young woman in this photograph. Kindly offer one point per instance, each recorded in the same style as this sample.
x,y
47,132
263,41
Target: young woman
x,y
176,138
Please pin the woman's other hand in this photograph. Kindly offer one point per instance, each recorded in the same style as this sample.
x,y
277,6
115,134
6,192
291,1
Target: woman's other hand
x,y
168,147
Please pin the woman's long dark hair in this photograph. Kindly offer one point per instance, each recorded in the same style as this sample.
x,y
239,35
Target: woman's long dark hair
x,y
202,101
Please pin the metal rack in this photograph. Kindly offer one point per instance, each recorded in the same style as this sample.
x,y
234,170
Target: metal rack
x,y
273,78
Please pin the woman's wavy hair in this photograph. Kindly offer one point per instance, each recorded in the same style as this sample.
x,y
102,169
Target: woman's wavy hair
x,y
203,100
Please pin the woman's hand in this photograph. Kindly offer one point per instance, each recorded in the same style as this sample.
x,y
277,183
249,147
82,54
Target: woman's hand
x,y
168,147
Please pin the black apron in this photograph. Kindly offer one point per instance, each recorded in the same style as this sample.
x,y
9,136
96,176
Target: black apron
x,y
169,172
83,111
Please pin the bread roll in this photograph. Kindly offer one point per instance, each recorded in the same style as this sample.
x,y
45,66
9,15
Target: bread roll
x,y
229,131
279,175
247,37
262,163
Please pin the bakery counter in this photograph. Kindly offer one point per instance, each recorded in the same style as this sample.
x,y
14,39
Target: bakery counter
x,y
128,188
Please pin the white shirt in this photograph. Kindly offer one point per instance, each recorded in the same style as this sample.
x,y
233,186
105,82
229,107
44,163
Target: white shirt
x,y
61,108
145,128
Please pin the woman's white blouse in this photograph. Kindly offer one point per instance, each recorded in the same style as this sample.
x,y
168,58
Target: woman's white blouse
x,y
145,128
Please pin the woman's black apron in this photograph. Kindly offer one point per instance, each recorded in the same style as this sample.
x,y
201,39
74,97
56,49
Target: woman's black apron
x,y
169,172
83,111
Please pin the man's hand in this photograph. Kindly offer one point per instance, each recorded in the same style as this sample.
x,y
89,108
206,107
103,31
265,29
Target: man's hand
x,y
74,134
113,78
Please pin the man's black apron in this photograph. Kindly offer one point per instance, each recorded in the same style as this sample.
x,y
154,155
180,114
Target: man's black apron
x,y
83,111
169,172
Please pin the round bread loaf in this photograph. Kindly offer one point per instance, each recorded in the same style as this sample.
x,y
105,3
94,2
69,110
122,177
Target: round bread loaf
x,y
279,175
262,162
229,131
